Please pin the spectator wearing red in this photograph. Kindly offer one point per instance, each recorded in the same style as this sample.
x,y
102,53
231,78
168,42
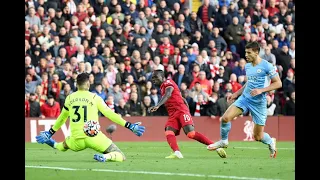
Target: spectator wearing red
x,y
206,12
51,109
273,10
166,44
40,97
233,81
26,105
55,86
166,59
81,14
27,30
167,19
71,48
205,84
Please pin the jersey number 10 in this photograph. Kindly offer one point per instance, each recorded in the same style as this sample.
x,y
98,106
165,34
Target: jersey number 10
x,y
76,112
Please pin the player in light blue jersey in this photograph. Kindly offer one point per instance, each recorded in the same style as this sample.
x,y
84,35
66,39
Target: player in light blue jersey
x,y
252,97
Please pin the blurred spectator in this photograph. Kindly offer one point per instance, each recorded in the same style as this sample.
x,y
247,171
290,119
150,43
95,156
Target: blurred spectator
x,y
30,85
110,102
122,109
134,105
289,107
283,60
145,105
204,83
99,91
212,106
51,109
63,95
34,106
40,97
182,76
196,91
292,49
239,70
233,34
234,82
206,12
222,78
201,108
223,104
223,19
116,93
270,106
269,56
288,84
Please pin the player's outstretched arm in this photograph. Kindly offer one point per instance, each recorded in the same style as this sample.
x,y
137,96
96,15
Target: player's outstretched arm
x,y
116,118
46,135
165,97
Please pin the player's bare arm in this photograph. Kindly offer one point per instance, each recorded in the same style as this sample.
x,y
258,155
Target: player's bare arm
x,y
235,95
185,101
275,84
167,95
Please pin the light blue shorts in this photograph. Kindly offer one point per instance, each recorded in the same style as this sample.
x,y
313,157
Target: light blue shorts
x,y
258,110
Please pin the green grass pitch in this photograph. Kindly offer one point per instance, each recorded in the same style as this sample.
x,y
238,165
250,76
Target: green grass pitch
x,y
145,160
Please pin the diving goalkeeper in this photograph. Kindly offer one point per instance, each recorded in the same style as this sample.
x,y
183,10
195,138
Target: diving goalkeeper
x,y
81,106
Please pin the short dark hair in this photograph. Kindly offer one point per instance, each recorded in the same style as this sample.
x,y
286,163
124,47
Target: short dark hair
x,y
159,71
82,78
255,46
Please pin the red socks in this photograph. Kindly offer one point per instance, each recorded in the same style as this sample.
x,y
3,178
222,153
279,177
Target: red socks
x,y
172,140
199,137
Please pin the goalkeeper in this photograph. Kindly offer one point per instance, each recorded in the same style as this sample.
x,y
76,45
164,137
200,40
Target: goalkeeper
x,y
80,107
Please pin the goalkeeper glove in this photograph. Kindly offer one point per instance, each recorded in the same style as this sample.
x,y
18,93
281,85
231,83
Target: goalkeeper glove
x,y
135,128
45,136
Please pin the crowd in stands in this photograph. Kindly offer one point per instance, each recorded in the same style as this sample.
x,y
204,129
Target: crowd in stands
x,y
120,42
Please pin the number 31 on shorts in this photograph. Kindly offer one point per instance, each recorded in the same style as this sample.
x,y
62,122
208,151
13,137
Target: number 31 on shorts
x,y
186,118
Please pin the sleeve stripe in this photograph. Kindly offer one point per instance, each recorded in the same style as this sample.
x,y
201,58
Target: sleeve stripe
x,y
66,108
94,96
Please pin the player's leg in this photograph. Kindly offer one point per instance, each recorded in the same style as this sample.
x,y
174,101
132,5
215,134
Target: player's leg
x,y
192,134
234,110
188,128
102,144
171,131
259,117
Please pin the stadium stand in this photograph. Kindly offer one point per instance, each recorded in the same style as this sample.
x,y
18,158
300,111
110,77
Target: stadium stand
x,y
120,43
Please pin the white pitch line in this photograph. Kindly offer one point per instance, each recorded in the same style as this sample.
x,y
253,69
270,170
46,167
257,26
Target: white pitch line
x,y
261,148
193,147
148,172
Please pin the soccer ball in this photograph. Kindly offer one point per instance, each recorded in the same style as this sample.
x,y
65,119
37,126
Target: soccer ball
x,y
91,128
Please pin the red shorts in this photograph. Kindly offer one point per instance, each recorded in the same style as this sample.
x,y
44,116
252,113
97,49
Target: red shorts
x,y
179,119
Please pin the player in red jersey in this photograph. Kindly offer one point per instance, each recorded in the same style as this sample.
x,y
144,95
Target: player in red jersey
x,y
179,115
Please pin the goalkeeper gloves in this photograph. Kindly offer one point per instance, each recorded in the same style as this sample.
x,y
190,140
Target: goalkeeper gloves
x,y
135,128
45,136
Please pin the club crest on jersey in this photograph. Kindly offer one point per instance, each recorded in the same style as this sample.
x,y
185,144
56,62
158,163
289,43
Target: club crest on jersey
x,y
259,71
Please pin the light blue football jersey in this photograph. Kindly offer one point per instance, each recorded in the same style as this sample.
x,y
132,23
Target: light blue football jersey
x,y
258,77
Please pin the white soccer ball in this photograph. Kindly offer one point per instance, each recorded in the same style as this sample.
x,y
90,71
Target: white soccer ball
x,y
91,128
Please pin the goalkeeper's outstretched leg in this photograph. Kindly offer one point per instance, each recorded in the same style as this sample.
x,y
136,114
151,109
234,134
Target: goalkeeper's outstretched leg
x,y
112,153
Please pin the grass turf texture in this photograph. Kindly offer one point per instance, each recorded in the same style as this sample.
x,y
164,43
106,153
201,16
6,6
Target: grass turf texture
x,y
145,160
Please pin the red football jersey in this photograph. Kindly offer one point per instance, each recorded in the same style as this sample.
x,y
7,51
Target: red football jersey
x,y
175,102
